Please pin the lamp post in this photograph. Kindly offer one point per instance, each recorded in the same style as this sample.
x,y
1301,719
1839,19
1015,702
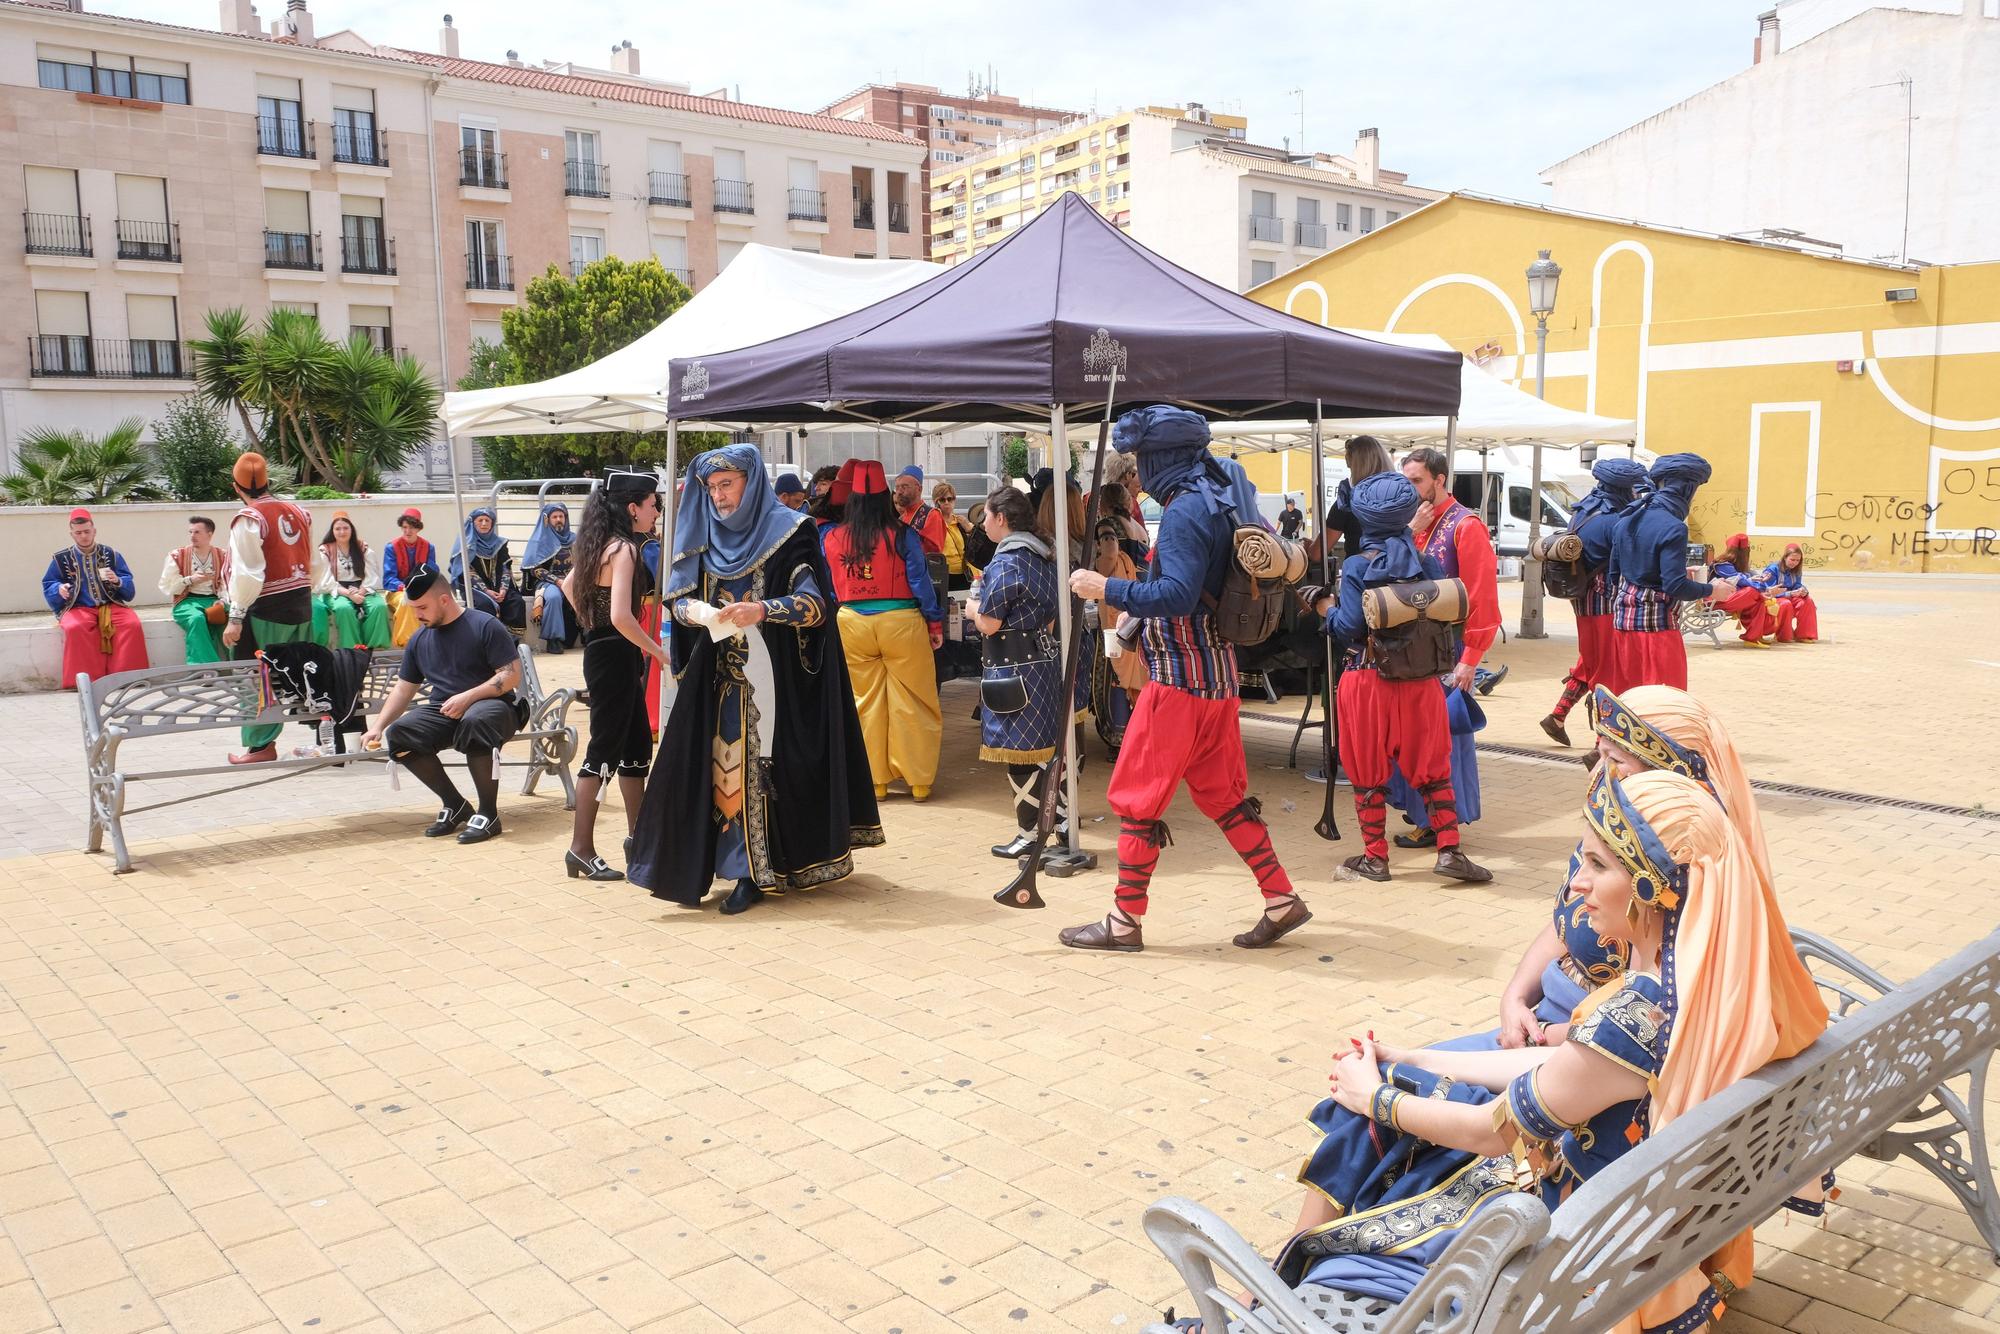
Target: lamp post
x,y
1543,275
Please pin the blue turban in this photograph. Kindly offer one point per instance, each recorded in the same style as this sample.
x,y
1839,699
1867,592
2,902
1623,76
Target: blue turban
x,y
912,471
1615,480
1675,478
730,544
1172,444
546,540
484,546
1384,505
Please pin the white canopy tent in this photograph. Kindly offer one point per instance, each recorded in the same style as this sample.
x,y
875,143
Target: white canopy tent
x,y
763,294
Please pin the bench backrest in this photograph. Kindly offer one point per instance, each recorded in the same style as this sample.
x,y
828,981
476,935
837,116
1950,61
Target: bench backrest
x,y
1728,1165
156,700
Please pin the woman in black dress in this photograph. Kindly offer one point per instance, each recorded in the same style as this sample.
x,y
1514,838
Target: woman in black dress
x,y
607,585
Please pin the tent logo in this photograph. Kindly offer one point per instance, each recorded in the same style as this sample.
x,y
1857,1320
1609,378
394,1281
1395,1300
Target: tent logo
x,y
694,382
1101,355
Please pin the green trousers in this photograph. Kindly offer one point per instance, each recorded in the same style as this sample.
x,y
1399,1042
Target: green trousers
x,y
268,634
366,626
204,641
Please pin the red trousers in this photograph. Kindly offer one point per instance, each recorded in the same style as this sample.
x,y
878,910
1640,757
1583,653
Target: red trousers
x,y
1798,619
1747,606
1593,634
1403,723
1645,658
1174,737
83,644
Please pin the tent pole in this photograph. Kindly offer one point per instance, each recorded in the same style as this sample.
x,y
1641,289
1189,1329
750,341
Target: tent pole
x,y
669,511
1327,827
1059,465
458,503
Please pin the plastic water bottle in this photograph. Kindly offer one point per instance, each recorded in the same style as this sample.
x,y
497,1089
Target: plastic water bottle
x,y
325,746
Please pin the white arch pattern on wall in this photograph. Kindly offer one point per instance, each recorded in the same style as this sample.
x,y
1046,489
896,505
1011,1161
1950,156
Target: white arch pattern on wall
x,y
1645,329
1483,284
1325,302
1939,457
1915,413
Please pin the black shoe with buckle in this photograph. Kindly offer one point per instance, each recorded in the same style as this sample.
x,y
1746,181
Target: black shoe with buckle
x,y
744,897
449,819
480,828
589,868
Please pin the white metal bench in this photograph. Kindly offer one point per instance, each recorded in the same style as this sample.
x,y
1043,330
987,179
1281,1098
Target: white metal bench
x,y
1874,1084
1703,618
163,701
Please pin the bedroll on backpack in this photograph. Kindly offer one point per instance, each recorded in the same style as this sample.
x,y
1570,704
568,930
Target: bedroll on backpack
x,y
1257,586
1564,575
1410,627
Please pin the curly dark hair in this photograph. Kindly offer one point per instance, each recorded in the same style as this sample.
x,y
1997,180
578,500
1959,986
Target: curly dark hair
x,y
868,519
606,520
1013,508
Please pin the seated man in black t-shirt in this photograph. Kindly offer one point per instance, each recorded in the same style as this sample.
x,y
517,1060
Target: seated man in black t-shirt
x,y
468,660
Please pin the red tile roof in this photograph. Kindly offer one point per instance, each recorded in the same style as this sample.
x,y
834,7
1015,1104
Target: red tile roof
x,y
532,76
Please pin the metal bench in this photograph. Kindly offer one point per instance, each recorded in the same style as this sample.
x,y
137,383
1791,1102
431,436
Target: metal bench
x,y
1875,1084
162,701
1703,618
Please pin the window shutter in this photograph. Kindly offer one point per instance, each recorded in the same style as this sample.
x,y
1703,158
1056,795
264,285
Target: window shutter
x,y
287,211
142,199
151,317
52,190
63,313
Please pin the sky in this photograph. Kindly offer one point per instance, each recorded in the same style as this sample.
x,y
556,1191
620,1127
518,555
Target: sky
x,y
1476,96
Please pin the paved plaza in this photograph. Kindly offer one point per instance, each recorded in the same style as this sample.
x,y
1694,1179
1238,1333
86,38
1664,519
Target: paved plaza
x,y
303,1070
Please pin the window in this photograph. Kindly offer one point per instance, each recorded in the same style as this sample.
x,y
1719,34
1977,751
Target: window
x,y
1263,204
583,171
585,246
487,331
1391,216
806,200
78,71
363,246
354,138
732,182
726,252
298,307
1308,210
1367,220
114,75
372,323
62,328
281,122
66,69
672,252
580,145
480,162
154,335
486,266
143,229
1343,217
1262,271
55,215
160,80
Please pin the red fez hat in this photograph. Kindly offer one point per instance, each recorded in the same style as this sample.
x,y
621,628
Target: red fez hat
x,y
843,482
869,479
1738,540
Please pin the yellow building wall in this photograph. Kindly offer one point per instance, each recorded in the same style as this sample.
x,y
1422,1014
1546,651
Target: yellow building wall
x,y
1723,349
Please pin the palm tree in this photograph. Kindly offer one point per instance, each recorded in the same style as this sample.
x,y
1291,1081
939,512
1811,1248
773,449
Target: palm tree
x,y
71,467
217,361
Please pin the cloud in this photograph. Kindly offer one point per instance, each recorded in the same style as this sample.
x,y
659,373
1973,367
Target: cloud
x,y
1466,95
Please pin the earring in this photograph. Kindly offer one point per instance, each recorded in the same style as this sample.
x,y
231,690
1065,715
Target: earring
x,y
1632,911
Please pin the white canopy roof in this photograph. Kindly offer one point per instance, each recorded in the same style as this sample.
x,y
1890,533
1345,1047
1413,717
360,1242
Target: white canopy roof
x,y
763,294
1491,412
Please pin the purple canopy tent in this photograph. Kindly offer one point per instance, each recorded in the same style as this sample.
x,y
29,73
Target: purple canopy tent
x,y
1037,325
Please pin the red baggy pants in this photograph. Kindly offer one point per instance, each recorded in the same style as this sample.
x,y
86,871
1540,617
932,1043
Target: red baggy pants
x,y
1747,606
1593,634
83,644
1798,619
1645,658
1403,723
1174,736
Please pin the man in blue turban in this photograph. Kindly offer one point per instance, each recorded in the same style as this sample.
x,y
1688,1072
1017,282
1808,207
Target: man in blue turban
x,y
918,514
1184,727
544,565
1647,573
1592,522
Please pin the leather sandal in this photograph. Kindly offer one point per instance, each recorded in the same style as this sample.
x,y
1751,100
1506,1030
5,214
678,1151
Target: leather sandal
x,y
1363,867
1553,728
1455,865
1099,936
1269,931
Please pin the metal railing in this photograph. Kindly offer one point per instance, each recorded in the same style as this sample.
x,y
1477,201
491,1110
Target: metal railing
x,y
590,180
290,250
805,205
577,266
733,197
378,336
669,188
685,275
76,357
281,136
899,216
489,273
477,167
367,252
156,241
1266,228
864,213
360,145
1312,234
56,233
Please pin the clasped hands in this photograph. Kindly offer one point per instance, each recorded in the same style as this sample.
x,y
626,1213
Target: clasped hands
x,y
1358,1073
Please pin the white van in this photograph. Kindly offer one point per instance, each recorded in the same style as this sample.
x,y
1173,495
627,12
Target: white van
x,y
1507,481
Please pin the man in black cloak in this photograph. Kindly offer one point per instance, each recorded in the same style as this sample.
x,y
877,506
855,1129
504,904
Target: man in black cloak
x,y
761,777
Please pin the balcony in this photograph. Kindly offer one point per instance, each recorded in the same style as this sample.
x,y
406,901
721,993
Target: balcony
x,y
481,169
156,242
805,205
1264,228
367,252
282,136
685,275
291,250
899,216
489,273
733,197
1311,235
864,213
577,266
668,188
378,337
360,145
586,180
57,233
64,356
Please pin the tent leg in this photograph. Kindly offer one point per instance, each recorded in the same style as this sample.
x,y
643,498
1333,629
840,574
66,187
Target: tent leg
x,y
1071,859
1328,827
669,511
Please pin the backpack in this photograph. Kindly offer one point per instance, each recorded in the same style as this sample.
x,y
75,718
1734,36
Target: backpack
x,y
1564,575
1410,627
1253,602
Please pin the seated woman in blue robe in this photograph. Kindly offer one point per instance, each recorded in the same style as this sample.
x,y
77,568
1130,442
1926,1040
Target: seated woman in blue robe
x,y
1416,1142
545,563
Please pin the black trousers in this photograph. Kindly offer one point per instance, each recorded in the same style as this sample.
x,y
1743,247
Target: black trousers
x,y
425,730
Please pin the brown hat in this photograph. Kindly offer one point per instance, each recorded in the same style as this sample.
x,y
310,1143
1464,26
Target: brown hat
x,y
251,472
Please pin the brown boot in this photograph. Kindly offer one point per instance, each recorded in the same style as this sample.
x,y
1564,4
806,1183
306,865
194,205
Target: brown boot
x,y
1270,930
1553,727
1100,936
1363,867
1455,865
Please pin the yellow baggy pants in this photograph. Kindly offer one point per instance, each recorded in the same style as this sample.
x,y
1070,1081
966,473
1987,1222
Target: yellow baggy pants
x,y
895,692
402,618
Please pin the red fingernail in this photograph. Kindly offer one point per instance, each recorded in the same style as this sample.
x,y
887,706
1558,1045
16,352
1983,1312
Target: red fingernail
x,y
1371,1035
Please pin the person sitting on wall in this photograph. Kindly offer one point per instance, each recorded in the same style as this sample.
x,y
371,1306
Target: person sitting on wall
x,y
494,590
347,611
545,564
402,558
194,580
89,588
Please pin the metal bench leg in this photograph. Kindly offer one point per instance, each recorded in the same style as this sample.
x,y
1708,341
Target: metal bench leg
x,y
1955,1152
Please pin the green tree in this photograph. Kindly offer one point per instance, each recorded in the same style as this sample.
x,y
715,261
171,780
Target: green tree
x,y
1014,457
195,449
72,467
566,323
342,414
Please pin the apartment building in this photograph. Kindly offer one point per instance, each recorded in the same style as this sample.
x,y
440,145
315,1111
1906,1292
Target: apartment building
x,y
954,127
409,196
1183,180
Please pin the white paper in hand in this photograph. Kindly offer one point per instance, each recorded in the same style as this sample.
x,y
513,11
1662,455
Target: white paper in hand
x,y
708,615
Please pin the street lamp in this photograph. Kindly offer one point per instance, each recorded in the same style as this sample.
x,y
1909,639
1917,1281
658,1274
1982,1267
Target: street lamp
x,y
1543,276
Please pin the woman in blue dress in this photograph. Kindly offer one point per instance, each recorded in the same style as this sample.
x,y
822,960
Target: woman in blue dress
x,y
493,587
1415,1142
1021,676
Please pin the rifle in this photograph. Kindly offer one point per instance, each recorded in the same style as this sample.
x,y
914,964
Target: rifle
x,y
1020,891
